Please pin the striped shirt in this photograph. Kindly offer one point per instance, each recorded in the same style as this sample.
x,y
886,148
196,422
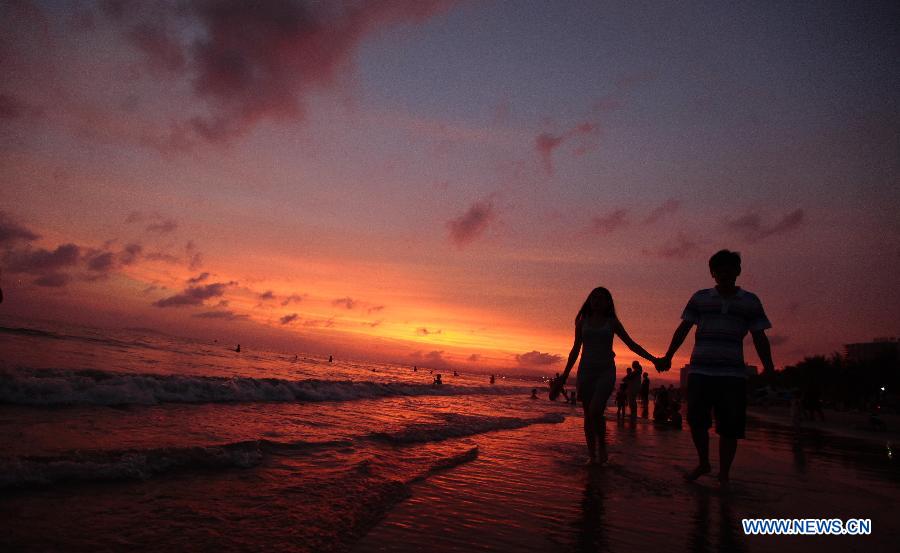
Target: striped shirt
x,y
722,324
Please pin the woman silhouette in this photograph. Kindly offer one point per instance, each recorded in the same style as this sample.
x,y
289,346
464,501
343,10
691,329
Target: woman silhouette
x,y
595,326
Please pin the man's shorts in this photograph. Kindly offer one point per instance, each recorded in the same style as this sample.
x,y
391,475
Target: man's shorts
x,y
722,396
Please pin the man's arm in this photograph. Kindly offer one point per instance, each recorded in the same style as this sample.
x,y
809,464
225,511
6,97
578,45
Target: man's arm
x,y
677,339
763,349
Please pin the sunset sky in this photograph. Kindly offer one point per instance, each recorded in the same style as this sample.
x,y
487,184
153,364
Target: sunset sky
x,y
442,183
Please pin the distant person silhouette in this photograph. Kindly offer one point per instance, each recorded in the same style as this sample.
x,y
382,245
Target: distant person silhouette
x,y
492,379
634,388
330,358
534,393
238,348
645,395
437,381
621,400
675,417
717,374
595,326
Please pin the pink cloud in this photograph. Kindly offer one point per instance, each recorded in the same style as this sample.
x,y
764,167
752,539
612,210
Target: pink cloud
x,y
288,319
536,358
11,231
349,303
472,224
752,228
258,60
612,221
547,143
668,208
195,295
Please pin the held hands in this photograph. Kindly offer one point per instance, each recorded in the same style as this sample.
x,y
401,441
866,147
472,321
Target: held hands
x,y
662,364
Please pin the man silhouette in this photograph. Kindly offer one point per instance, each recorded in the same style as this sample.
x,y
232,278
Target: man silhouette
x,y
717,375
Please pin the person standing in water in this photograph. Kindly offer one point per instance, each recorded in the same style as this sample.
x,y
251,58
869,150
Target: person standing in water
x,y
717,374
595,326
645,395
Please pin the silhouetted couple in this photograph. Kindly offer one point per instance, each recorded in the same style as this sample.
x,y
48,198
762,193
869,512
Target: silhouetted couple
x,y
717,376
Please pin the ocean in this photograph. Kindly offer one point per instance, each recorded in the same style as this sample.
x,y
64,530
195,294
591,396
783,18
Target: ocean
x,y
133,440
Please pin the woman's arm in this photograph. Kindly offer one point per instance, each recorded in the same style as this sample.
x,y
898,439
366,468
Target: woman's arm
x,y
573,355
632,345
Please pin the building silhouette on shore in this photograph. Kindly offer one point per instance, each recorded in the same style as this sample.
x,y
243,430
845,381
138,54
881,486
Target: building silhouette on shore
x,y
878,351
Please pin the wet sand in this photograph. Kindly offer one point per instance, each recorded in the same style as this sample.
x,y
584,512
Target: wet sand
x,y
529,491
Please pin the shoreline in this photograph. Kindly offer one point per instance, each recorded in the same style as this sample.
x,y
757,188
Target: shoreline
x,y
846,424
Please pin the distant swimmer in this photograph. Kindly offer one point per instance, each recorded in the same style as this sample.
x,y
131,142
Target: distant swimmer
x,y
330,358
455,373
238,348
534,393
296,357
415,369
437,380
493,379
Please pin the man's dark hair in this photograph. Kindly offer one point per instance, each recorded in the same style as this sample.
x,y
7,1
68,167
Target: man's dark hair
x,y
725,258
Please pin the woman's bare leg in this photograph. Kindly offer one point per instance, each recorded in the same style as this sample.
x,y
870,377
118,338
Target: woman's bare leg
x,y
589,433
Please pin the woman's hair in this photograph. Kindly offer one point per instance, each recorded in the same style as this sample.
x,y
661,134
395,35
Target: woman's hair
x,y
587,311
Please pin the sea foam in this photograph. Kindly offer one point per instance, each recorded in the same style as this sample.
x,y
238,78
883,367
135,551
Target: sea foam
x,y
92,387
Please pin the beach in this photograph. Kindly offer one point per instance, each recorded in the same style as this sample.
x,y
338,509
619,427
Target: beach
x,y
142,442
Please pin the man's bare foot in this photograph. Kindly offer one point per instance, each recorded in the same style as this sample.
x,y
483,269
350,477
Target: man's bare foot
x,y
701,469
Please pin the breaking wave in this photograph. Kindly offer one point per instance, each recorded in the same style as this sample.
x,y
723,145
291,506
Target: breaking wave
x,y
93,387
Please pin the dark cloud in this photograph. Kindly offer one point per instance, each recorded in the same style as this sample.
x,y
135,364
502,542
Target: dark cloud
x,y
349,303
293,298
157,223
53,280
268,295
162,256
195,295
752,228
611,222
101,262
130,254
326,323
198,279
373,324
222,315
249,61
40,261
425,332
546,143
536,358
195,258
669,207
287,319
375,309
162,226
679,247
471,224
10,231
433,359
163,53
